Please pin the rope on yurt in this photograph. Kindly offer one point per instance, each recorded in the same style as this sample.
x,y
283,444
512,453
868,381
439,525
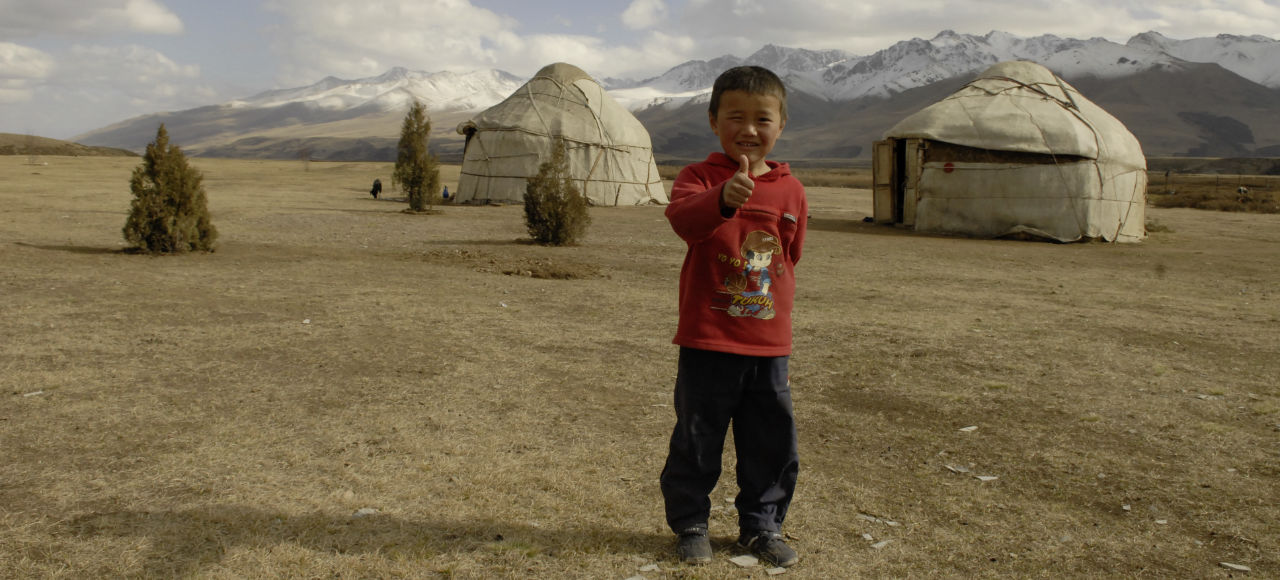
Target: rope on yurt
x,y
1071,200
1074,107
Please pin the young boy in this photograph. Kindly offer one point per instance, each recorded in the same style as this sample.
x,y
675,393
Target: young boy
x,y
744,220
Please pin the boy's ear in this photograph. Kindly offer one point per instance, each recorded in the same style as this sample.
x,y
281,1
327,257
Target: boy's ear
x,y
711,117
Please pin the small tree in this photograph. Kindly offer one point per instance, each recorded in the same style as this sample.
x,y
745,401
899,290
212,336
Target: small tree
x,y
554,210
417,170
169,212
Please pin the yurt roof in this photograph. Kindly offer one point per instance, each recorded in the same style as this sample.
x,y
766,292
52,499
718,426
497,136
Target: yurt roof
x,y
563,72
562,100
1022,106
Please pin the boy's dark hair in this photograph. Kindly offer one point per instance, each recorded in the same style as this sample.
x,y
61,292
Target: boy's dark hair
x,y
753,80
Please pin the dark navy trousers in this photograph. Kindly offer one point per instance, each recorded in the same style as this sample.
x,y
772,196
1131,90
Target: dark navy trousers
x,y
713,391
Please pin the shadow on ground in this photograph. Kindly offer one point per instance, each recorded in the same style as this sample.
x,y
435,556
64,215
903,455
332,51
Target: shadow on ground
x,y
183,543
73,249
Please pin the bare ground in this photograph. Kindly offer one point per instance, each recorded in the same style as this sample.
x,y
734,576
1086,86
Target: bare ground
x,y
504,407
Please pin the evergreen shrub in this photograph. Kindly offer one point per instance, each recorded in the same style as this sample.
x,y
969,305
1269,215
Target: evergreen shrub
x,y
169,212
555,211
417,171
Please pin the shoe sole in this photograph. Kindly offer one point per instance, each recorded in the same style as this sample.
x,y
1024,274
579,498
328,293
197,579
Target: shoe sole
x,y
787,564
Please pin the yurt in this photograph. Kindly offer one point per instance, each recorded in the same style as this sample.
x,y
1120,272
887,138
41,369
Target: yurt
x,y
609,151
1016,152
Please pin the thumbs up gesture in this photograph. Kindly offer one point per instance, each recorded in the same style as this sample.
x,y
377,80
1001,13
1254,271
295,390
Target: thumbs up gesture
x,y
739,187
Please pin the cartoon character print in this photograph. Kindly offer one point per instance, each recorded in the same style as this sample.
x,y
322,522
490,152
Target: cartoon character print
x,y
748,289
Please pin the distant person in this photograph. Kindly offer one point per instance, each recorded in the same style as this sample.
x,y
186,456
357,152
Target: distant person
x,y
445,195
743,219
377,188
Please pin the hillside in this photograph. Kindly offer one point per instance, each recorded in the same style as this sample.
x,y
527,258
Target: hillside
x,y
1195,110
14,144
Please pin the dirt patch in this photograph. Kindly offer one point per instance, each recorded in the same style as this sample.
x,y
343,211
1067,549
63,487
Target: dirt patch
x,y
528,266
422,212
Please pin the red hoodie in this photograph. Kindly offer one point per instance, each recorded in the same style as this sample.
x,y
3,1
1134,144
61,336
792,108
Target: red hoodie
x,y
738,282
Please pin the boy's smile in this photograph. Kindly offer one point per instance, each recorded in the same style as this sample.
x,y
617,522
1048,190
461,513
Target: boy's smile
x,y
748,124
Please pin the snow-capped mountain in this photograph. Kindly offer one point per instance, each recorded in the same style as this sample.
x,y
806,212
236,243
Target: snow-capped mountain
x,y
837,76
1256,58
697,75
831,74
364,113
395,89
917,62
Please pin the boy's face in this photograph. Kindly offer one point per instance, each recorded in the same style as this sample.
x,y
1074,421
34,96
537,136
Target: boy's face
x,y
748,124
759,260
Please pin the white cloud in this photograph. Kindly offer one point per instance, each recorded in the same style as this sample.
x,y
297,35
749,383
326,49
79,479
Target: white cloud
x,y
25,18
126,81
750,8
1191,18
84,80
642,14
362,38
150,16
659,52
356,38
741,26
594,56
23,62
544,49
86,86
13,92
95,71
21,67
124,66
359,38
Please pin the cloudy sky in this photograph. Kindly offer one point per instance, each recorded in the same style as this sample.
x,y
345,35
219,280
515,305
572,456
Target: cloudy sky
x,y
71,66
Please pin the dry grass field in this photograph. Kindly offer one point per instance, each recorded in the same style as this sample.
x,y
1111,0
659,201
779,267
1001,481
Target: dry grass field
x,y
344,390
1261,193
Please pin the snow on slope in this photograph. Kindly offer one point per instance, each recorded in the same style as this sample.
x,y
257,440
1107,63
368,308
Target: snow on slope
x,y
395,89
919,62
1256,58
831,74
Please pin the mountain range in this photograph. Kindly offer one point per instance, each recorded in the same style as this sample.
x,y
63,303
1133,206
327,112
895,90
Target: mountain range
x,y
1202,97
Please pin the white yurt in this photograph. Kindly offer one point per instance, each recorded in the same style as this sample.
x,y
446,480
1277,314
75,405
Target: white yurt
x,y
1016,152
609,151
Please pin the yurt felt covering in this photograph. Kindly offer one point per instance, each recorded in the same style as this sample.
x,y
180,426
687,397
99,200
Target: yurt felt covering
x,y
609,152
1018,150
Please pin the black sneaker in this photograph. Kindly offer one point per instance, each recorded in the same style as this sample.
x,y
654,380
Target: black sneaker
x,y
693,546
769,547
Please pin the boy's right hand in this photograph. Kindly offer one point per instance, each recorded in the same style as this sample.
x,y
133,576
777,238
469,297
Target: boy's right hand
x,y
738,189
